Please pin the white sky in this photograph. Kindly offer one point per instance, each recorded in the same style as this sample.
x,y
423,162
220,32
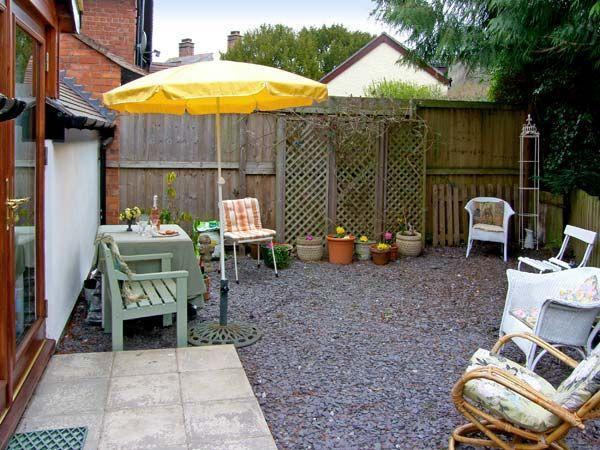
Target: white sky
x,y
209,22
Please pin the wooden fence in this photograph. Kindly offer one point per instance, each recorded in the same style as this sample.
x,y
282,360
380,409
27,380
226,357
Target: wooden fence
x,y
467,144
585,213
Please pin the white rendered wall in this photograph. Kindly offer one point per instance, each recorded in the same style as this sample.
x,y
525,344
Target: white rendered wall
x,y
380,63
72,214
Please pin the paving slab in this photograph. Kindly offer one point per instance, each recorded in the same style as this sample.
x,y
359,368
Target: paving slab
x,y
152,399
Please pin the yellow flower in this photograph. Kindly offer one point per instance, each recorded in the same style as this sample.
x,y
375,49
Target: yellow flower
x,y
383,246
363,239
340,230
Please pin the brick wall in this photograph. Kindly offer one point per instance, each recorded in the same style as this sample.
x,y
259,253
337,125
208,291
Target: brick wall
x,y
112,23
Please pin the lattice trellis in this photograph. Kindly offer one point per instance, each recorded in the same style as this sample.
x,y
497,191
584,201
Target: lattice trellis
x,y
405,174
379,172
306,173
356,174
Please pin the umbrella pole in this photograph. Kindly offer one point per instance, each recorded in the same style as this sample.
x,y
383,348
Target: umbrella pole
x,y
222,332
224,290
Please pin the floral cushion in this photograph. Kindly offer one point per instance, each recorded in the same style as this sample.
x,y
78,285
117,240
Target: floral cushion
x,y
488,227
489,213
528,316
586,293
583,382
505,403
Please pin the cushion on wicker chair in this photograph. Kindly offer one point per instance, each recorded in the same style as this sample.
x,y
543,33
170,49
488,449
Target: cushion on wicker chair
x,y
504,403
528,316
489,227
583,382
585,293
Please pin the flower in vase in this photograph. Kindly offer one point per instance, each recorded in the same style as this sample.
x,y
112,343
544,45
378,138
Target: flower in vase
x,y
363,239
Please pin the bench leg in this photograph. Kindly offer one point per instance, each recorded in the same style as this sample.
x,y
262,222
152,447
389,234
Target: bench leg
x,y
167,320
181,319
235,261
117,333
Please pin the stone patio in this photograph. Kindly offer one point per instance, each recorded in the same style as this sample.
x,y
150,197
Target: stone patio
x,y
188,398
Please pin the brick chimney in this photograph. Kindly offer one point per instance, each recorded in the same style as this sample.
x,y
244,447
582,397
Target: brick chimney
x,y
233,38
186,47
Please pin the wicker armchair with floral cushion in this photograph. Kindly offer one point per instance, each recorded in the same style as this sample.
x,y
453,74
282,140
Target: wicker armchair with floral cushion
x,y
510,407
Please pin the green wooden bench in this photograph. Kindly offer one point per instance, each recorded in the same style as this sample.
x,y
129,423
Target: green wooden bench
x,y
166,293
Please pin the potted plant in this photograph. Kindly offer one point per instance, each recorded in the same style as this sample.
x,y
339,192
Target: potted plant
x,y
310,248
408,240
340,246
129,215
388,238
380,253
363,251
283,254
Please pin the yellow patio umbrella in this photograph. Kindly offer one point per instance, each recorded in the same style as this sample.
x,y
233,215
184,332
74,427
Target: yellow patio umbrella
x,y
217,87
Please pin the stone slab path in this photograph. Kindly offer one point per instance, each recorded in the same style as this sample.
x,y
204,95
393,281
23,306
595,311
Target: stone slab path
x,y
187,398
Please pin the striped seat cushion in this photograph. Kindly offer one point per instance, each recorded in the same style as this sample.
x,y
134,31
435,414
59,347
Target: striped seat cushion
x,y
241,215
250,234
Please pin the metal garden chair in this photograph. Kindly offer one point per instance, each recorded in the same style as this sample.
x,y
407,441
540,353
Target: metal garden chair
x,y
243,225
557,263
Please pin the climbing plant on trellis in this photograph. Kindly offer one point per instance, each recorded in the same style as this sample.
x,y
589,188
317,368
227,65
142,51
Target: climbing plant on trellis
x,y
359,168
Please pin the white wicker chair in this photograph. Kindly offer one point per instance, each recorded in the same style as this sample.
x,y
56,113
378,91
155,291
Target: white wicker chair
x,y
557,321
490,233
557,264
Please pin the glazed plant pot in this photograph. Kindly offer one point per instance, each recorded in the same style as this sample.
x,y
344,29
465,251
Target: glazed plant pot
x,y
363,250
393,252
341,250
380,257
409,245
309,250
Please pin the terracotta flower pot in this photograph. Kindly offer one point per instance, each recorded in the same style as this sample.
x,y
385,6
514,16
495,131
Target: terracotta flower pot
x,y
340,250
409,245
393,252
380,257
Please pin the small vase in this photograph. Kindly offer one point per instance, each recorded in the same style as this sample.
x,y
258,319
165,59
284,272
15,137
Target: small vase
x,y
129,223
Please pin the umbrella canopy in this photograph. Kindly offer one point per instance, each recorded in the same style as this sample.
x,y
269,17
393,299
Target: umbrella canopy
x,y
215,87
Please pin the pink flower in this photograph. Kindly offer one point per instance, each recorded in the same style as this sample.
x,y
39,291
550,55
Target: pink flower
x,y
309,237
387,236
270,245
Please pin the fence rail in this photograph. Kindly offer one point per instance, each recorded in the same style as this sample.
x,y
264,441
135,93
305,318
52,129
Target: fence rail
x,y
585,213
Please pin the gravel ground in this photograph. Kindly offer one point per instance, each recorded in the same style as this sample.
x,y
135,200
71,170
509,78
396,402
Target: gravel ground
x,y
359,356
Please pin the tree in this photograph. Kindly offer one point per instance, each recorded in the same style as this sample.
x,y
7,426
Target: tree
x,y
545,53
401,90
311,52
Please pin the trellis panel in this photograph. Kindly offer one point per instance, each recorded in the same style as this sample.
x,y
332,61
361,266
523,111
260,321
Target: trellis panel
x,y
356,160
306,180
405,174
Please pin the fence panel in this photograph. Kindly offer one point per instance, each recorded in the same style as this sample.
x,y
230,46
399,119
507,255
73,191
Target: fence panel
x,y
585,213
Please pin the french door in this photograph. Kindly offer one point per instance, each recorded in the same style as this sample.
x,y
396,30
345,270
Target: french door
x,y
22,306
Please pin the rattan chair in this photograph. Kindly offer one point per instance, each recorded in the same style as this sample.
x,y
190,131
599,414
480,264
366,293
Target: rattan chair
x,y
492,389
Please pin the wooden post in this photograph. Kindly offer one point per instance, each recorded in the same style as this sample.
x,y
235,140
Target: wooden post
x,y
280,179
435,206
331,187
380,177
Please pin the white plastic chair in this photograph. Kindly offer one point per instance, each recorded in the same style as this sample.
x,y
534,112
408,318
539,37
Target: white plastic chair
x,y
557,263
560,322
490,233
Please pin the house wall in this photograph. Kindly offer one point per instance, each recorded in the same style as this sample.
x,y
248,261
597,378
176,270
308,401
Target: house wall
x,y
112,23
72,219
379,64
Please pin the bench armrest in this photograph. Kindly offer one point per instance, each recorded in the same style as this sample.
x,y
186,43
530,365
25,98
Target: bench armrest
x,y
538,341
153,276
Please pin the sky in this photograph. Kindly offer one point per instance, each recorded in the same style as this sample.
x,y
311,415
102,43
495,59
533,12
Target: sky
x,y
209,22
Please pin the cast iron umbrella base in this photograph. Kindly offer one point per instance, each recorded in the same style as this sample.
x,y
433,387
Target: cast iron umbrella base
x,y
221,332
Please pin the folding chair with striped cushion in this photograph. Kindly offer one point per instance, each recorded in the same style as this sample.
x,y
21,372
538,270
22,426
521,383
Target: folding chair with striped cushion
x,y
242,225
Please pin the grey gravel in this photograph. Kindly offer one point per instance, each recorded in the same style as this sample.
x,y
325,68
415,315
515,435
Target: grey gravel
x,y
359,356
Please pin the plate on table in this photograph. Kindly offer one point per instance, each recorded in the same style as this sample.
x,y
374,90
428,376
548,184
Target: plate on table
x,y
166,233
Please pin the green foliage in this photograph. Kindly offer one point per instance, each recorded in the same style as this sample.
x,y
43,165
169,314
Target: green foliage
x,y
311,52
540,52
401,90
283,255
171,214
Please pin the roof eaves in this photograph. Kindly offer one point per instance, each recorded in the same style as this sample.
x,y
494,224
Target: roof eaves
x,y
93,44
372,44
